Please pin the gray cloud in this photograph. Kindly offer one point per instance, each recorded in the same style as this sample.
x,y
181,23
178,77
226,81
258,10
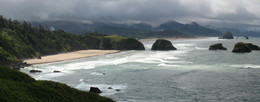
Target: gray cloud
x,y
148,11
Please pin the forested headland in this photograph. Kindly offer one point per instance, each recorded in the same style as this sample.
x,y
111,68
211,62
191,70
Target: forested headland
x,y
21,40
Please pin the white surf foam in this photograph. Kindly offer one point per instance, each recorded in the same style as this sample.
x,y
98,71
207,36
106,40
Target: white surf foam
x,y
252,66
168,65
200,48
184,46
81,80
149,57
107,90
171,58
97,73
246,66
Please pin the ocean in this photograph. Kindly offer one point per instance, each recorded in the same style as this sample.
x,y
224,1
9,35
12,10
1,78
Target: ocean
x,y
191,73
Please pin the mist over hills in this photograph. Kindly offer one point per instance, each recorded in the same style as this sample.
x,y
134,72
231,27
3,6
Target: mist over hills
x,y
240,32
241,15
139,30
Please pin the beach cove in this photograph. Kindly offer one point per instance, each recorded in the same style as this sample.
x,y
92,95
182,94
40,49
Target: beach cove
x,y
191,73
69,56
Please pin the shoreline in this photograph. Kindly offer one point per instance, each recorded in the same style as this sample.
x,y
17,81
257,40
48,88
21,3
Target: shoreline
x,y
69,56
87,53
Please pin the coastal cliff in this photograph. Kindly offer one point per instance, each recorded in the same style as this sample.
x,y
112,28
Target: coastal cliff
x,y
21,40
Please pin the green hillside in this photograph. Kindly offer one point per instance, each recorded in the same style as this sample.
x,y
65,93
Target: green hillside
x,y
19,87
21,40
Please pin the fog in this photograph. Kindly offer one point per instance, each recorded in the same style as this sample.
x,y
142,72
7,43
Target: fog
x,y
205,12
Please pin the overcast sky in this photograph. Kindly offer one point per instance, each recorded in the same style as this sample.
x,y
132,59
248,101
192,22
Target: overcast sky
x,y
134,11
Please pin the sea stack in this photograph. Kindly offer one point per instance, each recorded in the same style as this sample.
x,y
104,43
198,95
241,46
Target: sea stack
x,y
131,44
95,90
162,44
56,71
252,46
227,35
217,46
241,47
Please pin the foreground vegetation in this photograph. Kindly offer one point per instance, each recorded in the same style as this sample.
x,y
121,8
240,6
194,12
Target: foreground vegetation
x,y
23,41
19,87
20,40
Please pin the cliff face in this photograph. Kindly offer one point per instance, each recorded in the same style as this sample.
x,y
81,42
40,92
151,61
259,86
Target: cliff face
x,y
113,42
133,44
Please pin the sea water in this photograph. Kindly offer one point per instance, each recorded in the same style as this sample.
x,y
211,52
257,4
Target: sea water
x,y
191,73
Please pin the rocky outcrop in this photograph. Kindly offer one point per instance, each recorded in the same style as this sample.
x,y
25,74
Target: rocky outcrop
x,y
246,37
19,64
227,35
56,71
35,71
241,47
217,46
95,90
162,44
133,44
112,42
39,57
252,46
123,44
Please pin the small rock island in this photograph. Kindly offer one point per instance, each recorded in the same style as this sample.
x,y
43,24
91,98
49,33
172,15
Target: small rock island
x,y
162,44
252,46
227,35
241,47
217,46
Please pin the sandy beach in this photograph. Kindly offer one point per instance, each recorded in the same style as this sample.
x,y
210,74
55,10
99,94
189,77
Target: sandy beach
x,y
85,53
70,56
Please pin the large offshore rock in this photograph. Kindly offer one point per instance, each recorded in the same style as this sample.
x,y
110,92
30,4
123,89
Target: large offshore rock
x,y
217,46
95,90
162,44
227,35
241,47
252,46
35,71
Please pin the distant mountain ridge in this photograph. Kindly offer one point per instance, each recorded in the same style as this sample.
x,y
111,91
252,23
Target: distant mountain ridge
x,y
191,29
140,30
238,32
